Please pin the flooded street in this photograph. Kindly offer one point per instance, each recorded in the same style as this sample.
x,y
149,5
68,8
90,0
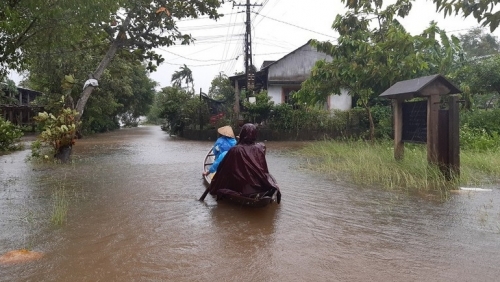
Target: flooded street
x,y
134,215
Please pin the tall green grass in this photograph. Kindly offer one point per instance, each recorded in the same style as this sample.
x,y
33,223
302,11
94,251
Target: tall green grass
x,y
368,163
60,205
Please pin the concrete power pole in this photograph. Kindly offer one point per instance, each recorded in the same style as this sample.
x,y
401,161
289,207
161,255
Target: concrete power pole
x,y
250,75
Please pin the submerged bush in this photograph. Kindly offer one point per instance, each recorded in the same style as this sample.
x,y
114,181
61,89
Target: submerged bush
x,y
58,132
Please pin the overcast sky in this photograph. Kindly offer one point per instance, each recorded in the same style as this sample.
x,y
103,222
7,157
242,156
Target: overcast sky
x,y
278,27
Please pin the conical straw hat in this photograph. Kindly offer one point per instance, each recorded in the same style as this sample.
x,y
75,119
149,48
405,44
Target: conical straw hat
x,y
226,131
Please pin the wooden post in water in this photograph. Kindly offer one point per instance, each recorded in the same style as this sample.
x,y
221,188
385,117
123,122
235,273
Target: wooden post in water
x,y
454,136
432,128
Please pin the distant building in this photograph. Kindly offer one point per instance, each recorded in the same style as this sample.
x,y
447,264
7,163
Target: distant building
x,y
18,108
282,77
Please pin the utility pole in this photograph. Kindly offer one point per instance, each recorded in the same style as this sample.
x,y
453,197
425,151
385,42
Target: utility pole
x,y
250,75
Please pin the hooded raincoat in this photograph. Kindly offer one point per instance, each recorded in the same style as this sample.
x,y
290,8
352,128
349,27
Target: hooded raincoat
x,y
243,171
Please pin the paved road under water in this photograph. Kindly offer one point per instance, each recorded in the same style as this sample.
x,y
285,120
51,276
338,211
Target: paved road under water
x,y
134,216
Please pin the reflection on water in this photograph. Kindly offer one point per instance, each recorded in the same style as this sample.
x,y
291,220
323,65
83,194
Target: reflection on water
x,y
134,216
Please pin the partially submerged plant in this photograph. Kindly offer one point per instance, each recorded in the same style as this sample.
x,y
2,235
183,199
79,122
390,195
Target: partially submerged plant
x,y
59,131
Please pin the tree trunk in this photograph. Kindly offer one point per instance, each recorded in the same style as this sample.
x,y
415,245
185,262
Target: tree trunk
x,y
80,105
110,54
64,154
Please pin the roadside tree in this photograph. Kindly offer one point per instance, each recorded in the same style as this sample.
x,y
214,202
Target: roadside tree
x,y
25,26
367,60
221,89
476,43
480,81
184,75
483,11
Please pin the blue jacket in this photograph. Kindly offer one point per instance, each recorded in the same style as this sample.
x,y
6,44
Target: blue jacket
x,y
215,165
221,146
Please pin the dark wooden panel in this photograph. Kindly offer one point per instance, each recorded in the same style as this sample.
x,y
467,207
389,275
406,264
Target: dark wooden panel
x,y
415,122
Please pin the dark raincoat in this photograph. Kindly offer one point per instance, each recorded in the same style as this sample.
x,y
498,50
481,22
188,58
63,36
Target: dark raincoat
x,y
243,171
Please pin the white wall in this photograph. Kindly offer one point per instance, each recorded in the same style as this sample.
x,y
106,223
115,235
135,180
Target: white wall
x,y
341,102
295,66
274,91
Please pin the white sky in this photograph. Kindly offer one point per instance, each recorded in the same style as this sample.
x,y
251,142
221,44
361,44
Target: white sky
x,y
280,27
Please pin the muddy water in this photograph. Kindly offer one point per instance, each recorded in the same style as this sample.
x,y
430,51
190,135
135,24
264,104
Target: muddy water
x,y
133,215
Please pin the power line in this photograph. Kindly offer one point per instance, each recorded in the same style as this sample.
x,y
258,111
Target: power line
x,y
220,37
202,27
204,65
207,17
228,38
275,3
225,43
191,59
297,26
273,53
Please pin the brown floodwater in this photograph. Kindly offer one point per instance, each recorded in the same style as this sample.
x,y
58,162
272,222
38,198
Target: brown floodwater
x,y
133,215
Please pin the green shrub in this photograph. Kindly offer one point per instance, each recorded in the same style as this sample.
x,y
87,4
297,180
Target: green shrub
x,y
382,117
281,117
286,117
10,135
482,119
478,139
335,123
260,110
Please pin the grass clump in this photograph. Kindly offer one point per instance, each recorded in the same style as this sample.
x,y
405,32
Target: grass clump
x,y
60,205
367,163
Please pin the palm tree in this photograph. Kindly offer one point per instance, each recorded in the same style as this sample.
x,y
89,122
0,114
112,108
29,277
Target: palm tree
x,y
183,75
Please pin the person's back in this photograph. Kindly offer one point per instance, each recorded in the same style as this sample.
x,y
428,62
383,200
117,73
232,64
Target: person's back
x,y
221,146
244,168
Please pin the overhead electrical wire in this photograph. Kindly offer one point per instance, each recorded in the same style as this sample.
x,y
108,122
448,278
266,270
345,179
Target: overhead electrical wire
x,y
202,27
191,65
280,43
228,63
201,18
191,59
253,21
275,3
228,66
226,44
310,30
237,53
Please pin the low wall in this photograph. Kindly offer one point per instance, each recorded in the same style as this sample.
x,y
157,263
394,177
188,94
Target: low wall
x,y
269,135
203,135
